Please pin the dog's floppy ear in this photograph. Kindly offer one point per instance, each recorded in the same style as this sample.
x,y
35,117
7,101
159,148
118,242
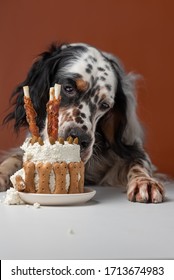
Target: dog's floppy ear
x,y
120,126
113,123
39,79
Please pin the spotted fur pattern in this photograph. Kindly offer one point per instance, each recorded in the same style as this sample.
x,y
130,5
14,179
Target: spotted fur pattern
x,y
98,105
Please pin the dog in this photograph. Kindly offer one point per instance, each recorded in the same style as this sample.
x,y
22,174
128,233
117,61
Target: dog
x,y
98,105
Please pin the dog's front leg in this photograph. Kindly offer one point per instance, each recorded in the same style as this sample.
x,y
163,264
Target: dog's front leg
x,y
142,187
8,167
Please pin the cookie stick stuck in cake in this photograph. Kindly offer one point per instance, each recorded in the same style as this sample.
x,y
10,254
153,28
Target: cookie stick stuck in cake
x,y
55,121
49,106
53,113
31,116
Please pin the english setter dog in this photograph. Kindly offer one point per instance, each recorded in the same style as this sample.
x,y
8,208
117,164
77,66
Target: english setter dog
x,y
98,106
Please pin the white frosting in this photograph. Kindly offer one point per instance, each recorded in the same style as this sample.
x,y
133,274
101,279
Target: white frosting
x,y
51,153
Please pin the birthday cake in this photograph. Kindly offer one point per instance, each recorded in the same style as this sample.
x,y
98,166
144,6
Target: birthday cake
x,y
52,165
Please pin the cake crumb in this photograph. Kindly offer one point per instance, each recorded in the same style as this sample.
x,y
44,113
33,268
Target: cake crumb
x,y
12,197
36,205
71,231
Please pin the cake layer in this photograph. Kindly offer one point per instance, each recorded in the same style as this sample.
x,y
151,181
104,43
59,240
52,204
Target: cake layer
x,y
50,178
21,173
51,153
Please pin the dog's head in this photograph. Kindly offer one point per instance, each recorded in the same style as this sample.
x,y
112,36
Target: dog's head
x,y
94,94
88,92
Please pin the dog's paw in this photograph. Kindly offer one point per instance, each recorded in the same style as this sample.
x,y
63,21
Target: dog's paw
x,y
145,190
4,182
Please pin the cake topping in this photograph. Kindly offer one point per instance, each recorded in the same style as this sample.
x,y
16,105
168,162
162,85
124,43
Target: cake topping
x,y
76,141
53,113
40,141
52,140
30,115
70,140
61,140
52,108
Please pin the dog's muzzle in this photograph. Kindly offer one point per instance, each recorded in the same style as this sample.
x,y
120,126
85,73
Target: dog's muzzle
x,y
85,141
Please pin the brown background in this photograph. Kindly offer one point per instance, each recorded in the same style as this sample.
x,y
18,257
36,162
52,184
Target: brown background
x,y
141,33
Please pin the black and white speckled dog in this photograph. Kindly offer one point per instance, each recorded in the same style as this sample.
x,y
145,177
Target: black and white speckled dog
x,y
98,106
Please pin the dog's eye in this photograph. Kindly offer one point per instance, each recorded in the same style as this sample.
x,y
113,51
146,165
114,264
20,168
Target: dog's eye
x,y
69,90
104,106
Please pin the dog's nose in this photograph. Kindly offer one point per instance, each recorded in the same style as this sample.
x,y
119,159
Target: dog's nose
x,y
84,138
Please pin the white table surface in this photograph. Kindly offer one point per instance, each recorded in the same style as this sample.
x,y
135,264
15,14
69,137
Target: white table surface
x,y
107,227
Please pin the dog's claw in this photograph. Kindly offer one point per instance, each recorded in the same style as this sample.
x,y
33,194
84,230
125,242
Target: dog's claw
x,y
145,191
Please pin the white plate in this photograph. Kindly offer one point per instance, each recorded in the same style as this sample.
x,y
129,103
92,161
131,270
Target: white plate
x,y
58,199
